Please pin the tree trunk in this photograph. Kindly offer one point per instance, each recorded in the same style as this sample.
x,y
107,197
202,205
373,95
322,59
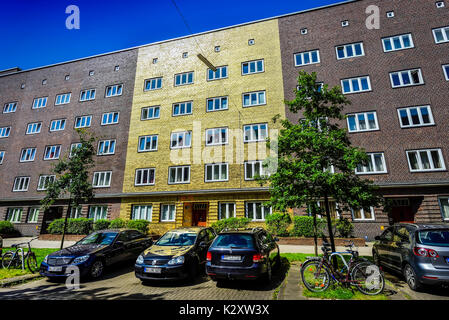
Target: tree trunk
x,y
65,223
329,226
315,235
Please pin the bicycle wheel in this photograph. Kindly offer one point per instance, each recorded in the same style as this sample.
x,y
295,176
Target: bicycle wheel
x,y
9,261
314,277
368,278
32,262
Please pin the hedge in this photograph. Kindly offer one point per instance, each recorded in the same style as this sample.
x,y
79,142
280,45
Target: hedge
x,y
230,223
117,223
74,226
101,224
278,223
6,227
303,226
141,225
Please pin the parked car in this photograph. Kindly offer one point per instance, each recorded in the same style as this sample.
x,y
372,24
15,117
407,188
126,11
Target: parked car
x,y
419,251
178,254
247,254
95,252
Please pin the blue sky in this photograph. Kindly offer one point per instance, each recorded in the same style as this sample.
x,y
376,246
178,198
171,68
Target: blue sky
x,y
34,33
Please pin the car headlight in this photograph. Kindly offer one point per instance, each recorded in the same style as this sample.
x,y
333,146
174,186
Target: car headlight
x,y
177,260
80,259
45,259
139,259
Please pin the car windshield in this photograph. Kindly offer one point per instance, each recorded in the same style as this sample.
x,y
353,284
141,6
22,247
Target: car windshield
x,y
177,239
103,238
234,241
434,237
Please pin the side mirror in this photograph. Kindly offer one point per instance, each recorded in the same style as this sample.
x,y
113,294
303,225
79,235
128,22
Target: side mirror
x,y
377,238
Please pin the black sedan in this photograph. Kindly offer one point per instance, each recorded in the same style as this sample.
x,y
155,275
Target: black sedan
x,y
178,254
95,252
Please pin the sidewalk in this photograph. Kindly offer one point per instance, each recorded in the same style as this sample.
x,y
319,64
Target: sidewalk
x,y
285,248
36,243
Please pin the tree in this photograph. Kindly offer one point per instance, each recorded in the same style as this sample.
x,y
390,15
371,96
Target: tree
x,y
72,177
309,148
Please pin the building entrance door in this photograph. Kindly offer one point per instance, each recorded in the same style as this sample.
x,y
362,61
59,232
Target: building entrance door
x,y
402,211
50,215
199,214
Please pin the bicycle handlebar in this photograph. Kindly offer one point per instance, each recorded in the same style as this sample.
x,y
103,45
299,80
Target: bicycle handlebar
x,y
23,243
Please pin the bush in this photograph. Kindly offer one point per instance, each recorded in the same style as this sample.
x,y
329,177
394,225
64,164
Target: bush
x,y
101,224
278,223
6,227
141,225
56,227
230,223
117,223
345,228
74,226
303,226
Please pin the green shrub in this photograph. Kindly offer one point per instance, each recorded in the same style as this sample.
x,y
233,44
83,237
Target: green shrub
x,y
101,224
6,227
141,225
344,227
278,223
117,223
56,226
230,223
303,226
74,226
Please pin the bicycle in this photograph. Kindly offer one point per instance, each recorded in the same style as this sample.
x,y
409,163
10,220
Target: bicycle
x,y
317,273
16,258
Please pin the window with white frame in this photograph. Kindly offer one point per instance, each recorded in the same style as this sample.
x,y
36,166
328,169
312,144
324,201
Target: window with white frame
x,y
256,211
406,78
444,206
102,179
87,95
83,122
98,212
148,143
40,102
350,50
216,136
57,125
27,155
45,181
362,214
10,107
216,172
73,148
33,215
52,152
255,132
217,104
364,121
2,156
168,212
4,132
153,84
440,4
226,210
355,85
182,108
182,79
425,160
63,99
446,71
114,90
400,42
34,128
307,57
106,147
376,164
145,177
109,118
142,212
14,215
220,73
415,116
253,169
149,113
21,184
252,99
179,140
441,35
251,67
180,174
75,213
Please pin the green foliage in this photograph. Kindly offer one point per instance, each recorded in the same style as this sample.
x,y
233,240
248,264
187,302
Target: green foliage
x,y
6,227
345,228
230,223
101,224
278,223
141,225
303,226
117,224
74,226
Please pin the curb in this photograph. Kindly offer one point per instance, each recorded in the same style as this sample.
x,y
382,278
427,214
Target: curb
x,y
17,280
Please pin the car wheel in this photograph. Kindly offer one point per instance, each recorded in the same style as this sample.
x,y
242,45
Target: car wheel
x,y
411,278
376,259
268,275
96,270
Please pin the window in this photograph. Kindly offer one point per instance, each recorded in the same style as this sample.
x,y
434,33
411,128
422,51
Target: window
x,y
304,31
345,23
2,156
98,212
306,58
425,160
439,4
21,184
446,71
109,118
168,212
91,73
45,181
67,77
406,78
142,212
115,90
253,169
52,152
376,164
63,99
153,84
116,68
252,99
57,125
255,132
149,113
185,55
182,79
251,67
73,148
44,82
87,95
221,73
354,85
10,107
106,147
145,177
400,42
350,50
40,103
226,210
22,86
216,136
14,215
102,179
216,172
33,215
34,128
4,132
362,214
155,60
217,49
27,155
75,213
441,35
444,207
390,14
179,174
251,42
83,121
179,140
360,122
217,104
256,211
147,143
415,116
182,108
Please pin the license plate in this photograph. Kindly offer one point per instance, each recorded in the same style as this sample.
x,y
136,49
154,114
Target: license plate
x,y
153,270
54,269
231,258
